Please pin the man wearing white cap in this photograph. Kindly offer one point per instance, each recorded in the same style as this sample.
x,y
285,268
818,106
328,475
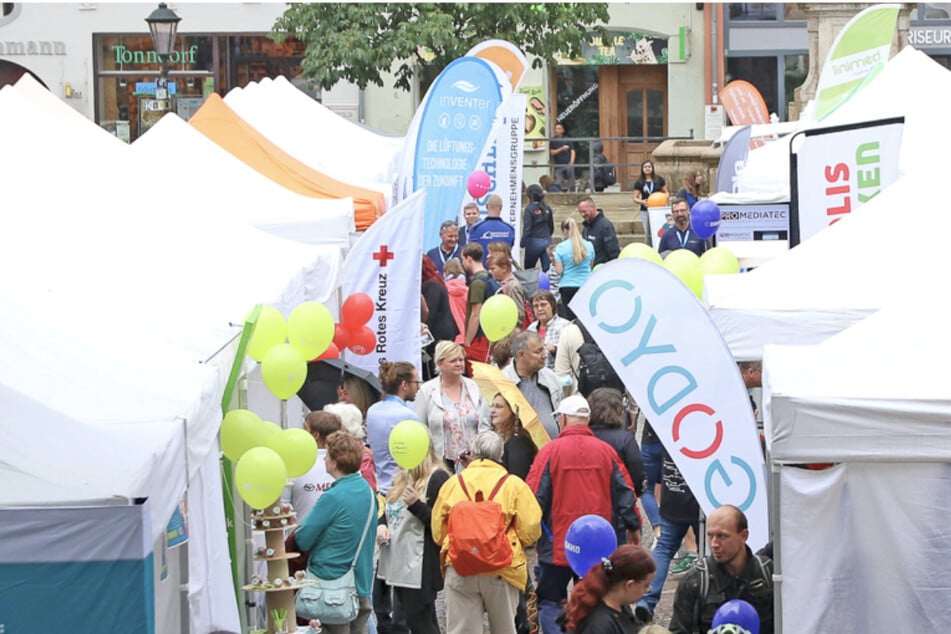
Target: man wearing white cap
x,y
589,479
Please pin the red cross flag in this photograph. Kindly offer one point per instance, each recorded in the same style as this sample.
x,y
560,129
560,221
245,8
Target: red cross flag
x,y
386,264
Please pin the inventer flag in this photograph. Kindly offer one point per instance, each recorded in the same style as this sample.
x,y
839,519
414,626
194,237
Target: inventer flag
x,y
385,264
450,131
860,47
670,355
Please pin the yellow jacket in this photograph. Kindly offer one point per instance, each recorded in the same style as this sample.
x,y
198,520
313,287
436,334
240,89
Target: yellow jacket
x,y
522,513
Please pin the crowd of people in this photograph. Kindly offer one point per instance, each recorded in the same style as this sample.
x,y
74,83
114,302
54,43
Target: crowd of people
x,y
480,450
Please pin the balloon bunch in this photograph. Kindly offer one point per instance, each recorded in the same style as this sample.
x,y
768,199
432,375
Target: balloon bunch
x,y
690,269
353,333
309,331
266,456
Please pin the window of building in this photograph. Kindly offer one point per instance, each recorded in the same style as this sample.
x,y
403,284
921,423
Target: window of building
x,y
935,11
576,103
773,76
753,11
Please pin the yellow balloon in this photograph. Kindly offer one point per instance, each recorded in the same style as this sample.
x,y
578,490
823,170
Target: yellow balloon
x,y
409,443
284,370
498,317
269,330
297,448
260,477
719,261
642,251
241,430
310,329
685,264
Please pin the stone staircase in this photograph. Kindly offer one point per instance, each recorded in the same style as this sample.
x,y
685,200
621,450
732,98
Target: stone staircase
x,y
619,208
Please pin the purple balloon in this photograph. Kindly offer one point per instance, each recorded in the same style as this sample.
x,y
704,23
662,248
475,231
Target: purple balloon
x,y
544,284
737,612
589,538
705,218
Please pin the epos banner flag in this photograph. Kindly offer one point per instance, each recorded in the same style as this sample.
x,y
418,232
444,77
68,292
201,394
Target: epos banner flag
x,y
838,169
661,341
860,47
450,132
502,160
733,160
385,264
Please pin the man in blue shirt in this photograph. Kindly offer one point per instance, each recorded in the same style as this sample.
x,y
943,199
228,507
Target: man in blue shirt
x,y
400,382
449,247
681,236
493,228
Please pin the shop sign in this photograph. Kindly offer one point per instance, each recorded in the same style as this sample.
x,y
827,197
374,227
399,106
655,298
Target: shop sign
x,y
930,36
127,56
620,48
31,47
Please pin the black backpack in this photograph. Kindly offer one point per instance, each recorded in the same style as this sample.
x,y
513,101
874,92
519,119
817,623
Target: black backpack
x,y
594,371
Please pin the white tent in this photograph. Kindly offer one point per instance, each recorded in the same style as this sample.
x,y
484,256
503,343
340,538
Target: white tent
x,y
231,189
317,136
863,545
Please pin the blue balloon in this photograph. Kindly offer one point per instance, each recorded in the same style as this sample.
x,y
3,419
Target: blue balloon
x,y
589,538
544,284
705,218
737,612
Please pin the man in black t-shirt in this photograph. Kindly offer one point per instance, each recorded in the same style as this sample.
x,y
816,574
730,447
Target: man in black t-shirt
x,y
563,156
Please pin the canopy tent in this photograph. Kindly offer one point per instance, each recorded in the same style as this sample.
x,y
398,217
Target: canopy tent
x,y
829,282
318,137
862,546
895,91
217,121
214,174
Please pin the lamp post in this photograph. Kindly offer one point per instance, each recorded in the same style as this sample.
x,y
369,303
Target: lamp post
x,y
163,25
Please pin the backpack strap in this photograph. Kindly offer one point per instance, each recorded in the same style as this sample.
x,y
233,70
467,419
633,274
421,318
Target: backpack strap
x,y
498,486
704,571
768,578
462,484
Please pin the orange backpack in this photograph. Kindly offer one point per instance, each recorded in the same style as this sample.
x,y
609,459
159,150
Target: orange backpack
x,y
478,539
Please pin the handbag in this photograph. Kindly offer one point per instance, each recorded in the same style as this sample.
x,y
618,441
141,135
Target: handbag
x,y
333,601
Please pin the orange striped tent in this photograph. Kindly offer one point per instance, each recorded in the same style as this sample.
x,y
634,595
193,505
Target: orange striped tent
x,y
217,121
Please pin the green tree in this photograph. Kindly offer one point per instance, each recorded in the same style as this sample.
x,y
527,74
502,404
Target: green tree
x,y
359,42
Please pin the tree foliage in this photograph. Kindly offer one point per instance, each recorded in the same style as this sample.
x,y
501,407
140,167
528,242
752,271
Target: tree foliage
x,y
360,42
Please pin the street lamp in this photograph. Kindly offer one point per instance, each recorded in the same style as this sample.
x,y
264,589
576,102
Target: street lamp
x,y
163,25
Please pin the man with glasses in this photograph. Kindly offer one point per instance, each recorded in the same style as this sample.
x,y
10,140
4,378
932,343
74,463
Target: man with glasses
x,y
589,479
539,384
448,248
681,236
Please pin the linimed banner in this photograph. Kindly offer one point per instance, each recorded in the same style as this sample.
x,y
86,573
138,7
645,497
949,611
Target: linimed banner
x,y
385,264
836,170
451,129
673,360
860,48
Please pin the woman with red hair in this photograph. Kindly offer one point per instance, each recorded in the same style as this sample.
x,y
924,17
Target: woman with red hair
x,y
601,602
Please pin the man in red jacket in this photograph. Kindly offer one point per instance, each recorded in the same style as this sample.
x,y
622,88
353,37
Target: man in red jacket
x,y
573,475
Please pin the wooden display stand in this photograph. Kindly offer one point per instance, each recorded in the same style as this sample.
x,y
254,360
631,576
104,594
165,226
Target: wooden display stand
x,y
279,587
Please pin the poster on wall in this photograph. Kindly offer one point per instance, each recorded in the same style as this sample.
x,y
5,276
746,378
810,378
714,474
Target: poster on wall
x,y
835,170
536,115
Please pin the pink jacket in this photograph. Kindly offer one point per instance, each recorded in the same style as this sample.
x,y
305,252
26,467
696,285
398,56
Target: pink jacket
x,y
458,296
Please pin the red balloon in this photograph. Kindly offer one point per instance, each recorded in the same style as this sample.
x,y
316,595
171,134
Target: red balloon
x,y
332,352
341,336
357,310
363,341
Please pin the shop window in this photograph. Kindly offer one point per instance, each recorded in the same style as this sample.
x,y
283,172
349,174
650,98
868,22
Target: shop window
x,y
753,11
762,72
576,99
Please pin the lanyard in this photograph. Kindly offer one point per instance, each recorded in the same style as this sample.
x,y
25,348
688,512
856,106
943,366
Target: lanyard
x,y
649,186
444,257
683,238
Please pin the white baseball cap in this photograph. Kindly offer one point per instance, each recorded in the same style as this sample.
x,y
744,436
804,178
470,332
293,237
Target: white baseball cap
x,y
574,405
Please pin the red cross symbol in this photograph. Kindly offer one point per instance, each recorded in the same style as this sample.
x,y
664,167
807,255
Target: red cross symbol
x,y
383,255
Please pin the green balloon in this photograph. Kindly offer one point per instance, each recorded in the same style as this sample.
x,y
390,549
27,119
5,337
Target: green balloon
x,y
297,448
641,251
284,370
686,266
409,443
310,329
498,317
260,477
270,329
719,261
241,430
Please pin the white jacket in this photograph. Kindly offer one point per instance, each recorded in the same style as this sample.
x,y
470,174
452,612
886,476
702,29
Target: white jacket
x,y
429,407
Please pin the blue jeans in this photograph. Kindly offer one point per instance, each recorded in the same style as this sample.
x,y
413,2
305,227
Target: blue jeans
x,y
652,454
552,590
671,536
537,249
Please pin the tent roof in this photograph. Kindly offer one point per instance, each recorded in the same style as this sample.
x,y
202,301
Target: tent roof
x,y
877,391
318,136
217,121
207,169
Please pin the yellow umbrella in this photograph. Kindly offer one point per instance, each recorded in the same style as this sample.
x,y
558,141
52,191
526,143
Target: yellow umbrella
x,y
491,381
